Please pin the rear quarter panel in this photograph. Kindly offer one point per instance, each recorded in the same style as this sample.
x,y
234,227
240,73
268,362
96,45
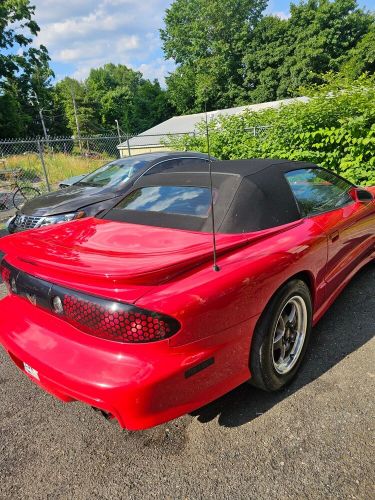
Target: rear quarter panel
x,y
207,302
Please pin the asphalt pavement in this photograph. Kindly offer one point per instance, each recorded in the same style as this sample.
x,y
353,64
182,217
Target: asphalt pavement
x,y
314,439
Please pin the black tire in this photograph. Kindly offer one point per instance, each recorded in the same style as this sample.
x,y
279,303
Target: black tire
x,y
24,194
262,354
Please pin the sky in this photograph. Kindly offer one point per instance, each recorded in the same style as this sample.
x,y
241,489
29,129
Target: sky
x,y
85,34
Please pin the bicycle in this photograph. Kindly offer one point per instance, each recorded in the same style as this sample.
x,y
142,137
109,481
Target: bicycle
x,y
19,194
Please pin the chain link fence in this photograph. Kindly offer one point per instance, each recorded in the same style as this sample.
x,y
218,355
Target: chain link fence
x,y
30,167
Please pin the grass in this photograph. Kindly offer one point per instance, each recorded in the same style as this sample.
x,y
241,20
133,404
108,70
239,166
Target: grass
x,y
59,166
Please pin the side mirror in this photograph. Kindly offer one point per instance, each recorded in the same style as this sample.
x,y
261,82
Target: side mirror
x,y
361,195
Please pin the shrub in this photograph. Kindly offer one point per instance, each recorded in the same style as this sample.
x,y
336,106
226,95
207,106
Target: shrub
x,y
335,129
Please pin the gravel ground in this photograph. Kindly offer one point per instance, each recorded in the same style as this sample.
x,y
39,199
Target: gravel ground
x,y
312,440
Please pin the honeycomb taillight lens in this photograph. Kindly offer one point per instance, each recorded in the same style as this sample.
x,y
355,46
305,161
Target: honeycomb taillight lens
x,y
112,320
103,318
5,276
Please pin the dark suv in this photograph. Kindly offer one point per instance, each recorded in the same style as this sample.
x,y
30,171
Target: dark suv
x,y
95,192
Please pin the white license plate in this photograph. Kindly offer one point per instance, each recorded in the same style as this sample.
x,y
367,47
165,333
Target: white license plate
x,y
31,371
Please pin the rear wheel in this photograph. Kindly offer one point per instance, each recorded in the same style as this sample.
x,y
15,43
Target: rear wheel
x,y
281,337
24,194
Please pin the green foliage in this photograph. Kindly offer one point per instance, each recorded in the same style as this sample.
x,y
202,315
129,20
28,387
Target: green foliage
x,y
335,129
109,93
24,69
12,119
123,94
17,29
66,92
113,92
228,53
361,58
208,41
285,54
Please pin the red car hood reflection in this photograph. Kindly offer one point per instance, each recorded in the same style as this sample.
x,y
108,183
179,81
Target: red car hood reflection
x,y
115,252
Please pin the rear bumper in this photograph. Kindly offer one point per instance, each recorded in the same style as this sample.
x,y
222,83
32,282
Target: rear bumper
x,y
140,385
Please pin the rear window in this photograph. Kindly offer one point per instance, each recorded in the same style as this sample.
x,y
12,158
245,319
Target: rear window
x,y
179,200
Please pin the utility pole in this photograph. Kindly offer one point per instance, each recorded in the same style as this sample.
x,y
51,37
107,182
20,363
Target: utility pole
x,y
41,156
119,137
41,118
76,118
43,125
118,132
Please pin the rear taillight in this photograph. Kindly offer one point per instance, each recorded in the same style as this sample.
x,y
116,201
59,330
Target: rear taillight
x,y
103,318
112,320
5,276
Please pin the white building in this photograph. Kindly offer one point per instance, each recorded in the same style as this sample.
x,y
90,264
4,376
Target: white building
x,y
152,139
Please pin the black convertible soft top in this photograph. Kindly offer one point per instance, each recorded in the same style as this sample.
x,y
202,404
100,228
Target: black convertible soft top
x,y
251,195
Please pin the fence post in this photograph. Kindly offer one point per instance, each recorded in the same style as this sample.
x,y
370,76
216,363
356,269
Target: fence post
x,y
127,142
41,156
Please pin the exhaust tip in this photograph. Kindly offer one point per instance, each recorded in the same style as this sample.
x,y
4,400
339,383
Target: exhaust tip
x,y
105,414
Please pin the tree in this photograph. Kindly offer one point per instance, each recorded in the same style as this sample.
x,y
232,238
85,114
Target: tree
x,y
11,115
285,54
264,59
112,88
110,93
361,58
24,68
122,94
335,129
68,92
150,106
207,40
16,31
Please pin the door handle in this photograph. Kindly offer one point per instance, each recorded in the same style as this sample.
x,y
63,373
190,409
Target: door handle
x,y
334,236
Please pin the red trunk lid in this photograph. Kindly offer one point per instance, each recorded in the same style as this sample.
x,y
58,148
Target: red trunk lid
x,y
107,254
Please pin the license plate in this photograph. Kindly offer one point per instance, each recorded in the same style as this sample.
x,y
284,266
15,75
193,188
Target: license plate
x,y
31,371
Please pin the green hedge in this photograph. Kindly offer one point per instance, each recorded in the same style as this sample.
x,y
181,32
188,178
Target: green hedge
x,y
335,129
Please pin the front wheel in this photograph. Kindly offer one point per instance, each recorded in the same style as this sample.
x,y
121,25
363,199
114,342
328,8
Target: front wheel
x,y
24,194
281,337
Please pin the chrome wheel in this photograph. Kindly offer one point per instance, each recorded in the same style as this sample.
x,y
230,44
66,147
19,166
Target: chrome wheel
x,y
289,335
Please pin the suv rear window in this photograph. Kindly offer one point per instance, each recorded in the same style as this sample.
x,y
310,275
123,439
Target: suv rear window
x,y
179,200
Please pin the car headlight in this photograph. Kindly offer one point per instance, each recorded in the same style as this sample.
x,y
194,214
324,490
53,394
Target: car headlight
x,y
9,221
56,219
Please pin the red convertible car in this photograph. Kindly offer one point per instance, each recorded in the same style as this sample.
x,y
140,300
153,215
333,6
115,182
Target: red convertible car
x,y
126,312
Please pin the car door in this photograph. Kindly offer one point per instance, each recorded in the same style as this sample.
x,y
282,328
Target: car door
x,y
348,224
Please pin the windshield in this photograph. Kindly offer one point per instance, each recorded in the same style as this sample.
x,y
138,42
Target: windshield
x,y
113,173
179,200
